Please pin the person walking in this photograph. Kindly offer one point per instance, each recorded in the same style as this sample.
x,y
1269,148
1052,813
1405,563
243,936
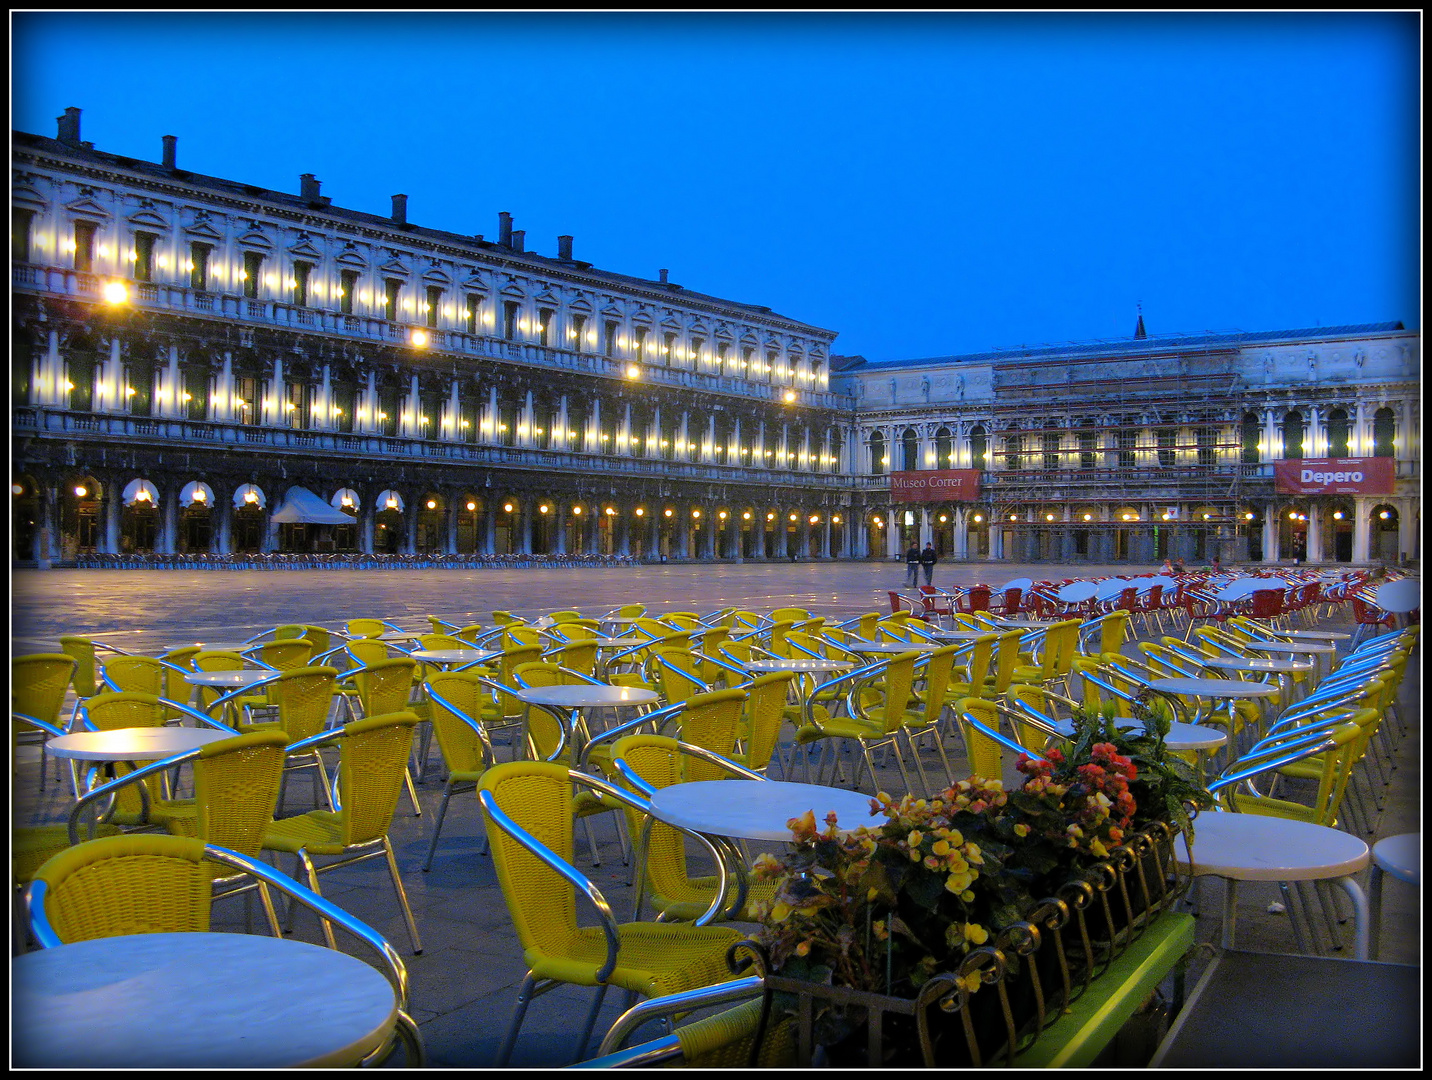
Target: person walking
x,y
928,558
912,566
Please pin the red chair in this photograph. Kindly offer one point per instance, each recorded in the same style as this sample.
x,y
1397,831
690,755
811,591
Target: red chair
x,y
976,598
1268,604
936,603
899,603
1365,616
1009,606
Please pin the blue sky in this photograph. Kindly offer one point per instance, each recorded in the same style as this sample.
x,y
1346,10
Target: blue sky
x,y
925,184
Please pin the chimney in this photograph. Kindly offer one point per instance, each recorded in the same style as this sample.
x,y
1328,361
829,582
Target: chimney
x,y
564,248
308,187
69,127
400,209
663,276
504,229
170,142
519,238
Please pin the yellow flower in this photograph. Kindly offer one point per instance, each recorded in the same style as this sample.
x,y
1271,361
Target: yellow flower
x,y
976,933
1098,848
970,982
779,910
803,949
941,848
914,838
968,896
958,882
1021,829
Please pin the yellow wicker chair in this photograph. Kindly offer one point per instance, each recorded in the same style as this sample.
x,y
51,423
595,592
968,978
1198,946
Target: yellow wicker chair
x,y
527,808
304,700
723,1040
879,716
663,877
366,628
144,883
87,662
283,654
373,757
762,719
222,660
39,683
1060,645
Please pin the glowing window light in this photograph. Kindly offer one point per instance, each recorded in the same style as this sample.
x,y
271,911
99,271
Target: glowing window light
x,y
722,515
392,503
472,506
81,491
115,293
640,512
507,507
770,517
199,495
667,512
979,518
544,508
576,509
746,516
432,505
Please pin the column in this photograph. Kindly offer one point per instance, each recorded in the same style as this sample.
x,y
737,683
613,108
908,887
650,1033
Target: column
x,y
653,536
803,536
366,514
489,528
893,526
1315,533
558,518
927,528
622,539
1407,530
525,510
450,544
223,543
682,518
111,506
758,534
709,522
825,531
1270,534
1361,530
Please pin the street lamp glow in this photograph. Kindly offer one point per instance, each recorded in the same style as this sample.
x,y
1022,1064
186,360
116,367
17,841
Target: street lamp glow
x,y
115,292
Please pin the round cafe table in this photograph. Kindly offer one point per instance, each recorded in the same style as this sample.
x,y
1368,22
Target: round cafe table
x,y
959,635
196,1001
1224,690
447,658
890,646
797,664
1311,635
1283,669
401,635
228,680
582,696
1260,847
726,810
132,744
1323,653
214,646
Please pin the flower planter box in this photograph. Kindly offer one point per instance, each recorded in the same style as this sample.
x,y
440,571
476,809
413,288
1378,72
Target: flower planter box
x,y
1054,988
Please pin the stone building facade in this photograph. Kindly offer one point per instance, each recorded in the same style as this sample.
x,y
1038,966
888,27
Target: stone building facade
x,y
1151,448
188,349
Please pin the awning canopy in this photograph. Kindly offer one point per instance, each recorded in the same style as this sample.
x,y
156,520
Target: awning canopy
x,y
301,506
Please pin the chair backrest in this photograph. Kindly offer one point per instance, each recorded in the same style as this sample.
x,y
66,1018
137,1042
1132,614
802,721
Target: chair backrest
x,y
976,598
794,614
122,709
138,883
1006,659
1039,700
986,760
936,670
1267,603
367,651
82,649
677,672
537,797
236,789
712,721
365,628
565,616
38,683
142,674
506,618
457,700
897,682
286,653
1012,595
658,760
373,759
384,686
579,655
443,641
1113,628
544,673
304,697
765,711
215,660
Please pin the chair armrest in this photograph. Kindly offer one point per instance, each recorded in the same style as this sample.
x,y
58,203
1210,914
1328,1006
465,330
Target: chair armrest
x,y
107,789
43,725
1003,740
656,716
671,1005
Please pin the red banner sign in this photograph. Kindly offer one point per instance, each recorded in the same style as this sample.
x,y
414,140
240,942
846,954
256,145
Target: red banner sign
x,y
935,485
1334,476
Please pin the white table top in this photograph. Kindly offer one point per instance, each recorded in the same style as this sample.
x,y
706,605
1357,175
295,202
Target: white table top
x,y
1400,856
1225,688
1022,624
1236,663
757,809
1402,595
959,635
1312,635
229,679
1311,648
1185,736
196,1001
585,695
1077,591
132,744
213,646
453,656
1260,847
612,642
890,646
782,663
402,635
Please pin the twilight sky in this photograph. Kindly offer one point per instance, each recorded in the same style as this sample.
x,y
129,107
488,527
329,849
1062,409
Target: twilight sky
x,y
926,184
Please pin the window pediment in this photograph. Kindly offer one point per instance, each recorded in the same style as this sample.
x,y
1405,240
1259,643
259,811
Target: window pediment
x,y
612,312
350,259
305,250
202,230
435,276
394,268
27,197
255,239
147,219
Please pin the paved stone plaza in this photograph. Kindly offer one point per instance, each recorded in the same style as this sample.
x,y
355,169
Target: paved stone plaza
x,y
464,983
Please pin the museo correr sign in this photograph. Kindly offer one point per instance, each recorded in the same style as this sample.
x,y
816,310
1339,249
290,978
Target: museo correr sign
x,y
935,485
1334,476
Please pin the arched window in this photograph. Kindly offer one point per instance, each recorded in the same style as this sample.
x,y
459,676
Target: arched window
x,y
910,445
1293,434
1339,433
1384,431
1250,432
944,448
979,447
877,453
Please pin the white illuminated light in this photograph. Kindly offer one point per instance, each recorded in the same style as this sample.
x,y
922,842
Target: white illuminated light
x,y
472,506
81,491
507,507
432,505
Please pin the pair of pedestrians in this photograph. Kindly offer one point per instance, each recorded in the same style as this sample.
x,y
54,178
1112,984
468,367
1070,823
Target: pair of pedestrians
x,y
916,560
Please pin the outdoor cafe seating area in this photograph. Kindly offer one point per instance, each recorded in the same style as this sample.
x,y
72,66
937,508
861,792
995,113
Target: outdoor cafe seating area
x,y
232,784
